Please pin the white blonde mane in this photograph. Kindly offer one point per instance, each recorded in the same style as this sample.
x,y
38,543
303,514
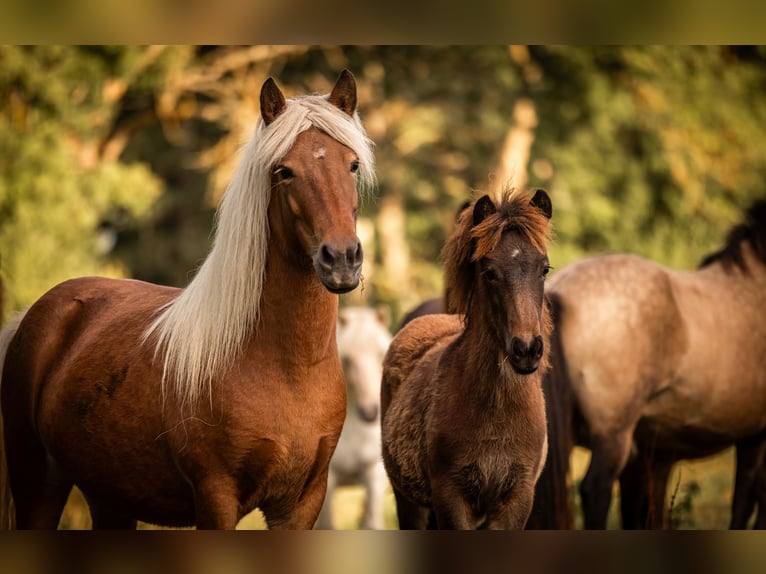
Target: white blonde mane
x,y
204,329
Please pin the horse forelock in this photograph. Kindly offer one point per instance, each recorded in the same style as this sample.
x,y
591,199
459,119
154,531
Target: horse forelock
x,y
751,231
205,328
470,243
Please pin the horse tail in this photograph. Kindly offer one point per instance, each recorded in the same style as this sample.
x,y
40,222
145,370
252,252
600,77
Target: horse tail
x,y
552,508
7,512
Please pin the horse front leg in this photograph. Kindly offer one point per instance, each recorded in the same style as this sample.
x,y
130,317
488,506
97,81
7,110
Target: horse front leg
x,y
750,461
326,521
411,516
450,507
608,457
513,515
216,505
303,514
643,489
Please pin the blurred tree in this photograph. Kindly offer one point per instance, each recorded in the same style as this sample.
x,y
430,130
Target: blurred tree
x,y
58,196
649,149
653,150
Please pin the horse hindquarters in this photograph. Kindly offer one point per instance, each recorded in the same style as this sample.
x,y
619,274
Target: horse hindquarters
x,y
33,493
7,514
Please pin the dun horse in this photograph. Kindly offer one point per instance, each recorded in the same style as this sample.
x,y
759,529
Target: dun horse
x,y
363,339
463,412
659,365
194,406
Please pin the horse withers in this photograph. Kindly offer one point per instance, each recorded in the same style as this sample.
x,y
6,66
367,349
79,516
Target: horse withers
x,y
463,422
363,339
192,407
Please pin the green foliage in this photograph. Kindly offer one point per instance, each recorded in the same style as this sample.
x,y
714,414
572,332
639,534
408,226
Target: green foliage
x,y
55,196
654,150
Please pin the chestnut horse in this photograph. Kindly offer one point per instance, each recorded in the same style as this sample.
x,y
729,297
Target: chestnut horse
x,y
463,413
193,407
658,365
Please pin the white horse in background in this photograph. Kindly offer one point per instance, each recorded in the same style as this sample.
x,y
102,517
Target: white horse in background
x,y
363,339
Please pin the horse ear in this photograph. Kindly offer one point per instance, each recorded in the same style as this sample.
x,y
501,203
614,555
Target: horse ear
x,y
482,208
272,101
343,95
542,201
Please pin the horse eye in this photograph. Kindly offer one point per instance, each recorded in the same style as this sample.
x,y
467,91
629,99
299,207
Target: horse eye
x,y
354,166
282,172
546,270
490,275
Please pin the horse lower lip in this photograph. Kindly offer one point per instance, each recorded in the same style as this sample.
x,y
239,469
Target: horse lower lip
x,y
340,287
524,369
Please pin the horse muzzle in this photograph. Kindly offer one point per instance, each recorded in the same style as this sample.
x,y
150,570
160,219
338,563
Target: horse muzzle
x,y
525,356
339,268
368,414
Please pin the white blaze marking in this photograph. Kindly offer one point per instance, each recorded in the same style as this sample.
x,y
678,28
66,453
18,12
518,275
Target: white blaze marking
x,y
320,153
516,252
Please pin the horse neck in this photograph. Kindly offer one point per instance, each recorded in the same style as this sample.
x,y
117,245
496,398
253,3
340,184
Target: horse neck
x,y
490,380
297,313
749,283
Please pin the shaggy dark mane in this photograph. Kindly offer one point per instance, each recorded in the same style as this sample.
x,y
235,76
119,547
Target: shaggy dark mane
x,y
470,243
752,231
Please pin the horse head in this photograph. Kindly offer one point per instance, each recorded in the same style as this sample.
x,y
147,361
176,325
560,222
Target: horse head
x,y
505,275
363,339
316,184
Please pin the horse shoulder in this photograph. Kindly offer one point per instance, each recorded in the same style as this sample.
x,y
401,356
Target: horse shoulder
x,y
415,341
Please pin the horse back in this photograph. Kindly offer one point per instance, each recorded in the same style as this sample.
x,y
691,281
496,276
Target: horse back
x,y
75,319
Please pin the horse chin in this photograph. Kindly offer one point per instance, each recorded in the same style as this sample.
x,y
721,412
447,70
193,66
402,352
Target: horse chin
x,y
525,369
338,287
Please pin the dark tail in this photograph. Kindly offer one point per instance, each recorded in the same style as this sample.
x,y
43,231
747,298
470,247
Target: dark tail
x,y
7,512
552,509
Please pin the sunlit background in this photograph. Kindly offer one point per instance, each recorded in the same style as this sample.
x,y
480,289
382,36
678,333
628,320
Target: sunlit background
x,y
113,158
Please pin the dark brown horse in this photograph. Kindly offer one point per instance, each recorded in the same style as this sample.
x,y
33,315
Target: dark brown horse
x,y
195,406
463,414
657,365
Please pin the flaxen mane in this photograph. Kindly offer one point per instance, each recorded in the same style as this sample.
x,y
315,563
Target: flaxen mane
x,y
470,243
205,328
751,231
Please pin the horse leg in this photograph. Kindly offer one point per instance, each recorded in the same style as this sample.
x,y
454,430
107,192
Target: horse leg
x,y
325,519
515,513
104,517
608,457
643,489
39,489
450,508
303,515
375,481
411,516
634,495
760,517
216,504
750,460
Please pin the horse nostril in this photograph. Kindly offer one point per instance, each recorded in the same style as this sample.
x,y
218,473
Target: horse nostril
x,y
519,348
326,256
354,254
537,348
